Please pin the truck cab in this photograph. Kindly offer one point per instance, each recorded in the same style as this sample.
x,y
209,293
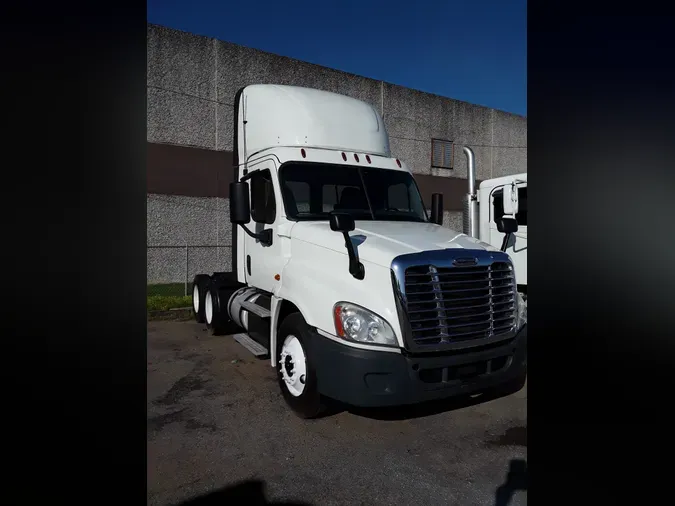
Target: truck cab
x,y
491,205
339,275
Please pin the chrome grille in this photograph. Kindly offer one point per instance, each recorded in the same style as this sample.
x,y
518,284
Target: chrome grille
x,y
450,304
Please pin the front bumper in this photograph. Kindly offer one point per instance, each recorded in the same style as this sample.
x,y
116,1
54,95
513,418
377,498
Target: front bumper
x,y
379,378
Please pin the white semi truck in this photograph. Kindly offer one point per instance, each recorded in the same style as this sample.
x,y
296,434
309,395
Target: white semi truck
x,y
340,276
497,215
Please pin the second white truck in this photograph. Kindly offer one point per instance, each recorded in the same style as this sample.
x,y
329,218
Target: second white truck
x,y
339,275
497,215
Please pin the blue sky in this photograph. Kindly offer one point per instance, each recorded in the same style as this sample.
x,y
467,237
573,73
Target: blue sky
x,y
472,50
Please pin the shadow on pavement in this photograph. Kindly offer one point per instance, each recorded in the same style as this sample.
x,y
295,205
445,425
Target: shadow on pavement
x,y
249,493
516,480
514,436
419,410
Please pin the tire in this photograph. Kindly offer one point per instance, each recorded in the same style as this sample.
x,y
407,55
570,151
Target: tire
x,y
199,286
221,277
293,363
215,312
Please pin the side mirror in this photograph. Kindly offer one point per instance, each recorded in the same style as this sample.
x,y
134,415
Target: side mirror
x,y
437,208
511,199
507,225
344,222
341,222
240,203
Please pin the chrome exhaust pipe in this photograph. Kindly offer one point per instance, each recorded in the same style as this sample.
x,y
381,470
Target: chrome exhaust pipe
x,y
470,212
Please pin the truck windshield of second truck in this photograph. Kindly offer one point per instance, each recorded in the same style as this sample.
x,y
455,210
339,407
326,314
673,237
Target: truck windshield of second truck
x,y
311,191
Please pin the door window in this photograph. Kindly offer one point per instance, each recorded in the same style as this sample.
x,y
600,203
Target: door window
x,y
263,203
498,206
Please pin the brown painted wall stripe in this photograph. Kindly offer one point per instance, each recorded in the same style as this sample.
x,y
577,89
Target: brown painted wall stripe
x,y
452,188
195,172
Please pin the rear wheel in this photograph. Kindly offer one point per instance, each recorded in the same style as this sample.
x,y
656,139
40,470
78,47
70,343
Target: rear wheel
x,y
199,286
212,309
295,371
215,309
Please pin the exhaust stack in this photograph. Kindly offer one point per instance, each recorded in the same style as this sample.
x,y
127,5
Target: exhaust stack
x,y
470,214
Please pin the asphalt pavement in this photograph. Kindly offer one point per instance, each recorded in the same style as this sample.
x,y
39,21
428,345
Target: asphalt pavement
x,y
219,432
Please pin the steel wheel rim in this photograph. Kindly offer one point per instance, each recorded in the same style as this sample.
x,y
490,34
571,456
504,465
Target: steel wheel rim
x,y
195,298
293,365
208,308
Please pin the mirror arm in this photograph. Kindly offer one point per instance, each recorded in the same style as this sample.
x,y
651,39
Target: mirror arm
x,y
502,228
505,241
356,268
265,237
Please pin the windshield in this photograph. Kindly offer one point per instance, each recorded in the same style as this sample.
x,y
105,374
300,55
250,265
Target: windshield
x,y
311,191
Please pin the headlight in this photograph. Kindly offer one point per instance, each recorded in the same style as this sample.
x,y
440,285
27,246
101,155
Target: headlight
x,y
522,311
355,323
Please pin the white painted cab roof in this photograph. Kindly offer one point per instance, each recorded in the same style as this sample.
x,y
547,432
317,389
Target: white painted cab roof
x,y
292,116
499,181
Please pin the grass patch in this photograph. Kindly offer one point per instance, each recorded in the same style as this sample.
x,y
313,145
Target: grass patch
x,y
163,297
168,290
166,302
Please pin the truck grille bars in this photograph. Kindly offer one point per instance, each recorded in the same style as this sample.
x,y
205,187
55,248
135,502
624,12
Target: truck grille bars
x,y
460,297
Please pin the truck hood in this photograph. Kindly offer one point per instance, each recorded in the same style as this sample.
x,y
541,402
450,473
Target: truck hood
x,y
379,242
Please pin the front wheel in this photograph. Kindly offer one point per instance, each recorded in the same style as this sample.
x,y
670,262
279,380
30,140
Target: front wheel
x,y
295,371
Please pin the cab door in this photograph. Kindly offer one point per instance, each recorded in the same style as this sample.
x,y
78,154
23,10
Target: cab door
x,y
263,262
517,246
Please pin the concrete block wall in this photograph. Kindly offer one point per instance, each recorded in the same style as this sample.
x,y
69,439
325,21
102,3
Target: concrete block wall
x,y
192,81
187,236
